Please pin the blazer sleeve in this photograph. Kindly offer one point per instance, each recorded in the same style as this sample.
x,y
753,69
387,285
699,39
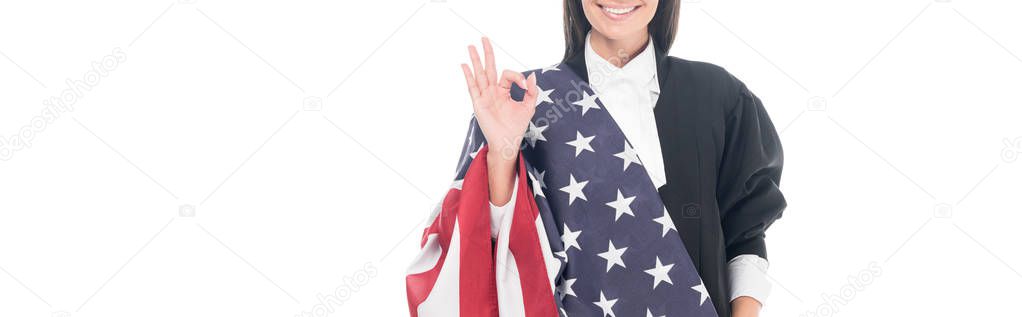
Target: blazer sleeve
x,y
749,175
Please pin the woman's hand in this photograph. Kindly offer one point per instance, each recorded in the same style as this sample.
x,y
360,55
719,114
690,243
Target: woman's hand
x,y
502,119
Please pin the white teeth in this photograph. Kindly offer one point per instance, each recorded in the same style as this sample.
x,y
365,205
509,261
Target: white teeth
x,y
619,11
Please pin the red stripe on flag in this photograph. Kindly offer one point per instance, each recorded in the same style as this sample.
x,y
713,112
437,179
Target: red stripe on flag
x,y
477,278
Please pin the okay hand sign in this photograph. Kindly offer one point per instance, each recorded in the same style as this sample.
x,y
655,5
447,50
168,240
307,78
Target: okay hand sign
x,y
502,119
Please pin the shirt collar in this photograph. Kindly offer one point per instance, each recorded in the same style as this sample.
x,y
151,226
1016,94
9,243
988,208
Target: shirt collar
x,y
641,69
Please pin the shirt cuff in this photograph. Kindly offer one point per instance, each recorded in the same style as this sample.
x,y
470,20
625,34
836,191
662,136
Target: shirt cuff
x,y
747,277
497,212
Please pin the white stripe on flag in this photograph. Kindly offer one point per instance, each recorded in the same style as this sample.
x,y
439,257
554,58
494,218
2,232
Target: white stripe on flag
x,y
509,288
510,301
428,256
553,265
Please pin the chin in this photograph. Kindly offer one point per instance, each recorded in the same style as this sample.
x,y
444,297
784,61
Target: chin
x,y
614,32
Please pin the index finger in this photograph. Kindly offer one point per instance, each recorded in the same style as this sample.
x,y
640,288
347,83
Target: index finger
x,y
531,93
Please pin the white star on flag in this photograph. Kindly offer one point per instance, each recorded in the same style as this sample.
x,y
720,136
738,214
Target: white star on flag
x,y
659,273
574,189
606,305
629,156
570,239
588,102
544,95
613,256
621,205
535,134
703,294
550,68
565,288
666,222
537,182
581,143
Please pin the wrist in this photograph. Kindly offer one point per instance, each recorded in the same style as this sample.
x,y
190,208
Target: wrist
x,y
501,157
501,168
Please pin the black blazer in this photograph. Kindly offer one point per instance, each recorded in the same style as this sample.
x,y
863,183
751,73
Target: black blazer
x,y
722,158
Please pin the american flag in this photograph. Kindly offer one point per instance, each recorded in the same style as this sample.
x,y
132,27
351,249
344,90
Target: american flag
x,y
589,236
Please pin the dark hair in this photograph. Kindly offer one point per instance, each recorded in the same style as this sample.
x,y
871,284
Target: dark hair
x,y
662,28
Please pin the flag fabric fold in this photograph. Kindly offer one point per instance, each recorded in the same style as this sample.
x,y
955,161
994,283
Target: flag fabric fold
x,y
514,264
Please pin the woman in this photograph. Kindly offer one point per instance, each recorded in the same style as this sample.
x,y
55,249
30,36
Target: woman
x,y
652,180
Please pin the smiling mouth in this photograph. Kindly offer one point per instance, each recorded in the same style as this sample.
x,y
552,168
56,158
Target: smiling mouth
x,y
618,13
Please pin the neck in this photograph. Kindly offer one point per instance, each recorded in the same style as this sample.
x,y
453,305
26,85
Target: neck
x,y
619,51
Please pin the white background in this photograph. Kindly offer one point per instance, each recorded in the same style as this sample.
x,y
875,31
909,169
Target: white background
x,y
894,117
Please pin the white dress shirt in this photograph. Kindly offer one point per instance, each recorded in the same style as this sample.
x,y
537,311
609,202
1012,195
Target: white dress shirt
x,y
629,94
